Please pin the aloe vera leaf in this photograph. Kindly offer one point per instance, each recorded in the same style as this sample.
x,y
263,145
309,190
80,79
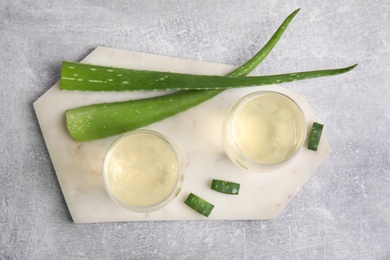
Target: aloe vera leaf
x,y
99,78
108,119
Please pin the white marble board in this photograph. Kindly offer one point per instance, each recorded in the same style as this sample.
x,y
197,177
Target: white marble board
x,y
197,133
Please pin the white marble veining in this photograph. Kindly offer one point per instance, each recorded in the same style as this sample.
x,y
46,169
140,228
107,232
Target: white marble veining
x,y
197,133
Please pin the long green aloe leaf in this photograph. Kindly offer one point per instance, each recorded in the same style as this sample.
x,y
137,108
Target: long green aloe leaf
x,y
86,77
103,120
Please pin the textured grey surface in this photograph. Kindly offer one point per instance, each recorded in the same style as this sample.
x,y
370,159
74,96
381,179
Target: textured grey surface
x,y
342,213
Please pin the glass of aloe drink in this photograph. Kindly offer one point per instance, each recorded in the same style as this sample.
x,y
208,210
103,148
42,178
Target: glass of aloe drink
x,y
143,171
263,130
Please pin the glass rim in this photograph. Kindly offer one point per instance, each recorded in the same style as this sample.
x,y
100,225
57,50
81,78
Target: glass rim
x,y
180,171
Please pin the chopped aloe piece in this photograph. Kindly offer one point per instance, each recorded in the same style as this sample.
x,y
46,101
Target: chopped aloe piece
x,y
226,187
315,136
199,205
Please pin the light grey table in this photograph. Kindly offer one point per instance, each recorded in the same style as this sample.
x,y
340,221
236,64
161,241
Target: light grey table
x,y
343,212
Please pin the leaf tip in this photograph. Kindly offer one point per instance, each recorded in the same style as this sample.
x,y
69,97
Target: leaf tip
x,y
295,12
351,67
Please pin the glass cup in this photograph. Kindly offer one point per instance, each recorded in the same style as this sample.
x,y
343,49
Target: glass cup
x,y
263,131
143,171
